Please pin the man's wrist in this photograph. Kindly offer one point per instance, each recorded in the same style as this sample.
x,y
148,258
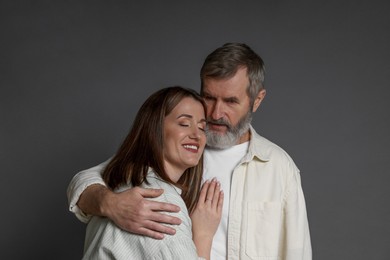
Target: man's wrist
x,y
106,197
95,200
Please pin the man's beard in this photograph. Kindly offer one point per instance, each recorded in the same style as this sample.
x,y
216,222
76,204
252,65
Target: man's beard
x,y
232,135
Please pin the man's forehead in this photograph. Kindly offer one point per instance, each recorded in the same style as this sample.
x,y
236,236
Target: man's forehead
x,y
220,90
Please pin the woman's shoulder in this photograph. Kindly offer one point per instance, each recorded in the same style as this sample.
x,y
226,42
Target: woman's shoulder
x,y
155,182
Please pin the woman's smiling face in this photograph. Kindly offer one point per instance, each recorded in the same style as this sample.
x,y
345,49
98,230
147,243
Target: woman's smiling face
x,y
184,137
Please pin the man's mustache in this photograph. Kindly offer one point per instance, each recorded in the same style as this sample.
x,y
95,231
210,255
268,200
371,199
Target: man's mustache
x,y
219,121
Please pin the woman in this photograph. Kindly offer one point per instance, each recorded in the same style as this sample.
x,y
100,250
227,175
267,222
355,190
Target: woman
x,y
162,150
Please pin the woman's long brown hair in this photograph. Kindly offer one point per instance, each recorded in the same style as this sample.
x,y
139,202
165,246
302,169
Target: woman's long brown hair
x,y
143,147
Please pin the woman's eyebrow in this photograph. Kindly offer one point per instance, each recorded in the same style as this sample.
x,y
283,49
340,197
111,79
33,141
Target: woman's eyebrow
x,y
185,115
190,116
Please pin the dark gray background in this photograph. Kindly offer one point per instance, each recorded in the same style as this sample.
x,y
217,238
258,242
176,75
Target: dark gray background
x,y
74,73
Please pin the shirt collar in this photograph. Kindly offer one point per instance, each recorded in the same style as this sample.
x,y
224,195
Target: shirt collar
x,y
258,147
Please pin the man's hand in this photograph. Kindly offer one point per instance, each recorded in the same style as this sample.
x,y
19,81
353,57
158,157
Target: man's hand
x,y
131,211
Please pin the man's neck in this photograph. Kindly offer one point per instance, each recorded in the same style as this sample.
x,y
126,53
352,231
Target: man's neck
x,y
244,138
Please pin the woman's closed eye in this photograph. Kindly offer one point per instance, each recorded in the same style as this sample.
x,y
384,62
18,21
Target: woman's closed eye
x,y
202,127
184,124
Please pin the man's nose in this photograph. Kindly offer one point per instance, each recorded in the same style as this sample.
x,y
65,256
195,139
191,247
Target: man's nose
x,y
216,110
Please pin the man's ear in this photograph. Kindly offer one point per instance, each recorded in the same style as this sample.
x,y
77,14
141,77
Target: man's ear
x,y
259,98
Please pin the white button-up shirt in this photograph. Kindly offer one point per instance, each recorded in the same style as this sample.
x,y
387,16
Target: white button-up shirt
x,y
267,213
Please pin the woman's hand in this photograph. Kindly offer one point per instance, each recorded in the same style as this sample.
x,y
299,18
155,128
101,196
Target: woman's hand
x,y
206,216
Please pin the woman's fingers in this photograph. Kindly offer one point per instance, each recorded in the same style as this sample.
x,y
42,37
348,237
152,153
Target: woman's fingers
x,y
203,192
210,191
220,202
217,191
210,194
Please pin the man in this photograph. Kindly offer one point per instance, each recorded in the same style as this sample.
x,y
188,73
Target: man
x,y
264,214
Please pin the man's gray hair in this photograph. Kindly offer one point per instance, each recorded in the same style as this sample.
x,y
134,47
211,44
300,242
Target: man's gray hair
x,y
224,62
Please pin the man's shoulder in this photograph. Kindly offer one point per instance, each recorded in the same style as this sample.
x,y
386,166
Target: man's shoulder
x,y
267,150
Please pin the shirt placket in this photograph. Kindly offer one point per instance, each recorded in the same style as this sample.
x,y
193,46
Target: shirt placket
x,y
235,212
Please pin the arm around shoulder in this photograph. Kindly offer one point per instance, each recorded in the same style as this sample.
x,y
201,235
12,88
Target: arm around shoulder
x,y
81,182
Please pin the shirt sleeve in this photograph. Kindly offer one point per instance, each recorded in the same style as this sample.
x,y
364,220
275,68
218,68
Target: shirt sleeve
x,y
79,183
297,236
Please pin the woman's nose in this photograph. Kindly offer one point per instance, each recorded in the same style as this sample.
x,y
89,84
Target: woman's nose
x,y
195,132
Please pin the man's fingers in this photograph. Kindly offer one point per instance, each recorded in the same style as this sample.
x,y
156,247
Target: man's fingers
x,y
162,206
155,205
149,193
164,218
138,215
154,226
151,233
159,228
